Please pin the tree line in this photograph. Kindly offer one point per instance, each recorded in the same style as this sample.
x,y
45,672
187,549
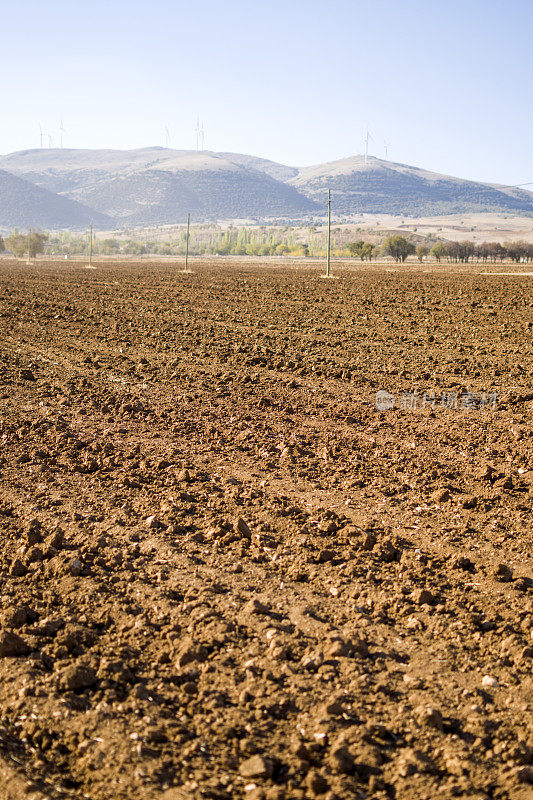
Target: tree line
x,y
265,242
401,248
466,251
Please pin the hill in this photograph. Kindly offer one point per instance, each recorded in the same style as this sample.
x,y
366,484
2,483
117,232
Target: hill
x,y
386,187
158,186
26,205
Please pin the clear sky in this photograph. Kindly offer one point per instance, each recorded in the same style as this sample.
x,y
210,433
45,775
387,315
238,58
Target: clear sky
x,y
448,84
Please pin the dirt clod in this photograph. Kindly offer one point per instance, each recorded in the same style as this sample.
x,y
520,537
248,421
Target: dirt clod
x,y
12,645
256,767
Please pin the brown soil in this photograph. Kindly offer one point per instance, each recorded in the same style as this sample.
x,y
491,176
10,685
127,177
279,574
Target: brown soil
x,y
225,573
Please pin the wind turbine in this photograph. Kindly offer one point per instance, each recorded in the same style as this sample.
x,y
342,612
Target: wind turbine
x,y
50,142
41,135
367,138
197,130
61,132
202,137
386,146
167,136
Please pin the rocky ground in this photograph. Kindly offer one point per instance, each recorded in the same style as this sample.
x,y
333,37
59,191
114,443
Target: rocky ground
x,y
225,573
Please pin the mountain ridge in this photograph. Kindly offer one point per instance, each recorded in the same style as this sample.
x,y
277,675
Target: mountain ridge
x,y
157,186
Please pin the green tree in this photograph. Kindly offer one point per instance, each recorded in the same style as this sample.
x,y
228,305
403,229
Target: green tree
x,y
422,250
398,247
2,245
367,251
438,251
356,248
18,243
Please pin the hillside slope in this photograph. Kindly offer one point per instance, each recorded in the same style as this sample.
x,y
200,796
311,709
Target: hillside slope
x,y
385,187
25,205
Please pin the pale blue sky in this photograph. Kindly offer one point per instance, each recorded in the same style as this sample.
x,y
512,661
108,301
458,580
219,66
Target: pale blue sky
x,y
448,84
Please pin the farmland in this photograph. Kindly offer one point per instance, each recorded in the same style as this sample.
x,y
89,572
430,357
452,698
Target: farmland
x,y
226,573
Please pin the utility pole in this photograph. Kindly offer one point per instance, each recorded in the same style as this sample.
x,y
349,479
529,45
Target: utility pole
x,y
29,246
91,245
328,269
187,243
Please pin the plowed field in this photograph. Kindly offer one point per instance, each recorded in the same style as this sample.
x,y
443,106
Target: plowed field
x,y
225,573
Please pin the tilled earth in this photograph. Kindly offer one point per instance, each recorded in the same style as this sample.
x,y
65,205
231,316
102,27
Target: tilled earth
x,y
225,573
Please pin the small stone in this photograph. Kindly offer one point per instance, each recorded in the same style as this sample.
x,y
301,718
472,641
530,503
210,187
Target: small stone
x,y
74,566
316,783
153,522
79,676
12,645
184,476
503,573
489,682
256,767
